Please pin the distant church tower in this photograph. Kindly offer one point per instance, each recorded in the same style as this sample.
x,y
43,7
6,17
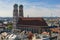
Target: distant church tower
x,y
21,11
15,15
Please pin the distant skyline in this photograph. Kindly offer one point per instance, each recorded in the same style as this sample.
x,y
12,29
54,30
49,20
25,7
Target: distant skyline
x,y
33,8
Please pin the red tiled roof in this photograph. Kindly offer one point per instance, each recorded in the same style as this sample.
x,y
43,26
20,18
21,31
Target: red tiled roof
x,y
32,21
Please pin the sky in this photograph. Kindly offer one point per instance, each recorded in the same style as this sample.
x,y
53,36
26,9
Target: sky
x,y
31,8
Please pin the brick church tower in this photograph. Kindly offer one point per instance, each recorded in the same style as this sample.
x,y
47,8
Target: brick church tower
x,y
15,15
21,11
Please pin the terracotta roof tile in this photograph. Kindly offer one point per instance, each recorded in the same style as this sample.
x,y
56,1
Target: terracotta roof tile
x,y
32,21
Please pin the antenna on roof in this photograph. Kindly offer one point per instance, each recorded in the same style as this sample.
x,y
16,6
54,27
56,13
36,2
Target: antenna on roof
x,y
51,14
27,15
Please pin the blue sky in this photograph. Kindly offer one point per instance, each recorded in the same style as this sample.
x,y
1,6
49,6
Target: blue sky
x,y
33,8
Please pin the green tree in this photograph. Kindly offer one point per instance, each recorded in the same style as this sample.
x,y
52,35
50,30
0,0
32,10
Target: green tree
x,y
9,27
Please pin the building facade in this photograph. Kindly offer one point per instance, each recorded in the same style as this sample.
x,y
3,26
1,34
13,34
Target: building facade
x,y
33,24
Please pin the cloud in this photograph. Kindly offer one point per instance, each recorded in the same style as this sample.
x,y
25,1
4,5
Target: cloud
x,y
33,9
37,12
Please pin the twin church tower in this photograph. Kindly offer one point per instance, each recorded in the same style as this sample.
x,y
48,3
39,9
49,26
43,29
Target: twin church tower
x,y
18,10
17,13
